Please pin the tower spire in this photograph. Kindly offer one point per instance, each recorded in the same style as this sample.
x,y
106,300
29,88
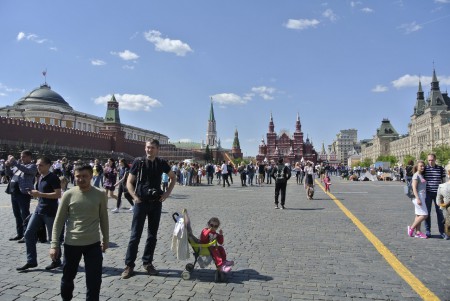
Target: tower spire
x,y
211,112
211,133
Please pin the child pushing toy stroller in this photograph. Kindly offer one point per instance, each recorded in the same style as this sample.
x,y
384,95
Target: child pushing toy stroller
x,y
209,245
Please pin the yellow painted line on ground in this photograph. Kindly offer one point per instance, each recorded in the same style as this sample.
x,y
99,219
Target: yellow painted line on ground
x,y
398,267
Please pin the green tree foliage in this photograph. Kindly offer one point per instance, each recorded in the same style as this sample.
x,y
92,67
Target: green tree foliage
x,y
423,156
208,154
366,162
391,159
407,158
442,154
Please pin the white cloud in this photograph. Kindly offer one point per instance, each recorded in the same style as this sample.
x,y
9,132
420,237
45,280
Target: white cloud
x,y
31,37
166,44
20,36
380,88
185,140
126,55
128,67
367,10
355,3
228,99
53,48
4,88
410,27
408,80
329,14
264,92
442,1
98,62
131,102
301,24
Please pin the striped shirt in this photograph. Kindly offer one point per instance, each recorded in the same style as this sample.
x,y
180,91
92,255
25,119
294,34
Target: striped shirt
x,y
434,176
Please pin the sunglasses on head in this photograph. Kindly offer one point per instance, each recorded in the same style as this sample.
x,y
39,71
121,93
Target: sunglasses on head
x,y
214,226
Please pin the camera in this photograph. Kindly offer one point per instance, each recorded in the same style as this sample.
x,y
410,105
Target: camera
x,y
147,193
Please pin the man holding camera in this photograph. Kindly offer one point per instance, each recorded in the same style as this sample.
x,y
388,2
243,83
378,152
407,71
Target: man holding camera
x,y
22,176
144,185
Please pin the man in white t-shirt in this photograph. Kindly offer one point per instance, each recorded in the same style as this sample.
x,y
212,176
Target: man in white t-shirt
x,y
225,174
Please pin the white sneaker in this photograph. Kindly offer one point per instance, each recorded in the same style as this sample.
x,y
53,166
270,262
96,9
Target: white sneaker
x,y
115,210
131,208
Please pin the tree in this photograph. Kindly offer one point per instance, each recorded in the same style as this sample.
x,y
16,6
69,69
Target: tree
x,y
366,162
391,159
407,158
208,154
442,154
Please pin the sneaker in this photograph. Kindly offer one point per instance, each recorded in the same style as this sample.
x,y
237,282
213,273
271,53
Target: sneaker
x,y
115,210
229,263
420,235
282,207
53,265
127,273
131,208
225,269
276,207
445,236
410,232
428,234
150,269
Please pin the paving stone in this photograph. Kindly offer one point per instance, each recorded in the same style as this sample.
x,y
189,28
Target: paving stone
x,y
310,251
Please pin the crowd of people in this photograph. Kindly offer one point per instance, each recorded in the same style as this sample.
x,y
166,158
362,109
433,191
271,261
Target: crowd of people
x,y
75,217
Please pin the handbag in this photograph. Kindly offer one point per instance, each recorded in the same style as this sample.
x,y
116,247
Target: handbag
x,y
8,187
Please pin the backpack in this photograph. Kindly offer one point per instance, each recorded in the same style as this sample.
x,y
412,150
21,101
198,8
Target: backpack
x,y
280,176
408,190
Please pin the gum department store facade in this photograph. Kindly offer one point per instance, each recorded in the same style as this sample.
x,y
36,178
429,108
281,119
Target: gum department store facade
x,y
429,128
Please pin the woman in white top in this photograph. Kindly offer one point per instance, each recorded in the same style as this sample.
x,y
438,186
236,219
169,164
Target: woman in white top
x,y
419,186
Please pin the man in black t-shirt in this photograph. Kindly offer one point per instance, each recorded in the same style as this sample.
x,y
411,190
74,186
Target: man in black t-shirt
x,y
48,190
144,181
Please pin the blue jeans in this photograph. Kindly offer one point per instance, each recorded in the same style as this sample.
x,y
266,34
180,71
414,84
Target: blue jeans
x,y
429,200
142,210
96,180
21,208
93,262
34,223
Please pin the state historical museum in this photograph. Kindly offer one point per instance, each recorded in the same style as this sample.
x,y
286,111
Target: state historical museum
x,y
291,149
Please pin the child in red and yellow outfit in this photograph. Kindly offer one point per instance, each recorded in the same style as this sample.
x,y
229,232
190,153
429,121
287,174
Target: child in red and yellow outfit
x,y
217,252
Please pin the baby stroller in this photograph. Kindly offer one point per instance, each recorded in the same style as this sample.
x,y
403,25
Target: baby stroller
x,y
201,252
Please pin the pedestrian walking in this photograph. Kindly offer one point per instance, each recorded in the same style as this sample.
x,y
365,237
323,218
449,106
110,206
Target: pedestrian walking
x,y
83,210
281,174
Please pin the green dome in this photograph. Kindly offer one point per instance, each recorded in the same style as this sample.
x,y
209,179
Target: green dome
x,y
43,95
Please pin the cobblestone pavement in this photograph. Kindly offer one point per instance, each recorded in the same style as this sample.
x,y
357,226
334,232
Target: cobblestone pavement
x,y
310,251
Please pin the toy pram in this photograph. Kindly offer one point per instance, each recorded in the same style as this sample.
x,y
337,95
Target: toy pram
x,y
201,251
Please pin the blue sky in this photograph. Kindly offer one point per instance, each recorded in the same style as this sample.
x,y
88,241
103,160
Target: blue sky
x,y
339,64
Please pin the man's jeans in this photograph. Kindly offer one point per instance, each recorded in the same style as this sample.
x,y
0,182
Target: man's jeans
x,y
34,223
429,200
93,262
21,208
142,210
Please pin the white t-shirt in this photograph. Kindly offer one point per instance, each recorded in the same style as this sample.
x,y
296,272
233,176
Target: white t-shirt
x,y
224,169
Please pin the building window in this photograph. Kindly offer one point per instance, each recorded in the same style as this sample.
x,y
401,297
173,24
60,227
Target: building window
x,y
63,124
42,120
52,121
79,126
84,126
31,119
89,127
